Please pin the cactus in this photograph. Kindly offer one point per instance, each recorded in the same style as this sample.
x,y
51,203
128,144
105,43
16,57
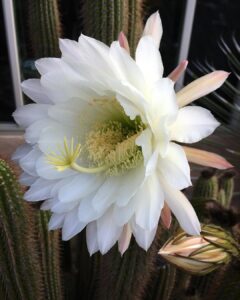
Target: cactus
x,y
226,188
44,27
19,267
29,254
104,19
49,252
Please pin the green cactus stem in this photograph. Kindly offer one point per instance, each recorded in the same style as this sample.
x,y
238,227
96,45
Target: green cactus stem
x,y
104,19
227,187
19,267
44,27
49,252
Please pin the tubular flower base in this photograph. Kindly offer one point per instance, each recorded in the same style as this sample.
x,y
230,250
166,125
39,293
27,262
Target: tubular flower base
x,y
202,254
102,140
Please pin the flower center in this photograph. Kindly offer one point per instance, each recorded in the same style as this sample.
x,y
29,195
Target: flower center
x,y
108,147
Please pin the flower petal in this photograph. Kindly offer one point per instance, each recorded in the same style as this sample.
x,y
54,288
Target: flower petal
x,y
56,221
178,71
149,60
91,237
207,159
150,203
153,27
127,68
34,90
71,225
143,237
193,124
125,238
181,208
201,87
123,42
174,167
40,190
166,216
107,231
27,114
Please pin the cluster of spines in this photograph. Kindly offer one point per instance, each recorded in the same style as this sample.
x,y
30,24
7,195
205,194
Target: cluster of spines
x,y
104,19
29,254
44,27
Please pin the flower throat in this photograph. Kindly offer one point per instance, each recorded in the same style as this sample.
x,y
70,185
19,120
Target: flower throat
x,y
109,147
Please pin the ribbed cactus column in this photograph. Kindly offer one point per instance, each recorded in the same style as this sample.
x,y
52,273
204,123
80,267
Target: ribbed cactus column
x,y
19,266
44,27
104,19
49,252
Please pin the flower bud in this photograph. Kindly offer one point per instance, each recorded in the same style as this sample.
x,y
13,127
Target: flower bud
x,y
202,254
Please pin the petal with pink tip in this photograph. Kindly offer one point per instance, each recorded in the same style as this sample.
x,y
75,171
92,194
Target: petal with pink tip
x,y
201,87
153,28
166,216
207,159
178,71
123,41
124,239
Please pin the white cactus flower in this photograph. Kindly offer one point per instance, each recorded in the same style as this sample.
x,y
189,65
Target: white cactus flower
x,y
101,140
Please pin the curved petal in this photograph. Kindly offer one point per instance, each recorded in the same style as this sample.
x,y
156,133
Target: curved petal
x,y
127,68
201,87
174,167
91,237
193,124
150,203
34,90
143,237
28,162
71,225
56,221
107,231
149,60
27,114
40,190
207,159
153,27
21,151
124,239
181,208
178,71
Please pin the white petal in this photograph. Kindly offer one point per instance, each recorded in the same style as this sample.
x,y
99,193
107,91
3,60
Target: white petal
x,y
149,60
86,211
28,162
125,238
47,171
193,124
56,221
182,209
39,190
48,64
71,225
128,184
127,69
153,27
150,203
60,208
34,90
144,140
33,132
91,237
123,214
143,237
21,151
79,187
108,232
174,167
26,179
27,114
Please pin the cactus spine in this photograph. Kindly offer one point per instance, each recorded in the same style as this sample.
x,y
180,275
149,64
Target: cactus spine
x,y
104,19
44,27
29,254
19,268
